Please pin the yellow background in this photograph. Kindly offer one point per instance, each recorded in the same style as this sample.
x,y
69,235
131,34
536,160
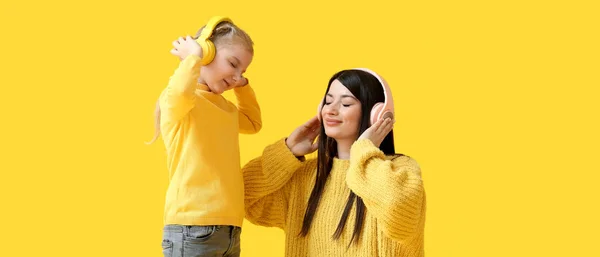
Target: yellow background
x,y
497,100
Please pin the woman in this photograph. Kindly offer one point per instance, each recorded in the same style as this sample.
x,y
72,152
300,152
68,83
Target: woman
x,y
357,198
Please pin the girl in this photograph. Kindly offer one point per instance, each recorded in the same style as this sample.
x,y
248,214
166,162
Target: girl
x,y
204,207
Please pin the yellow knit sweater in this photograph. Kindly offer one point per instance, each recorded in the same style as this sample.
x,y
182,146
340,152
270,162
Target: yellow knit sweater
x,y
278,185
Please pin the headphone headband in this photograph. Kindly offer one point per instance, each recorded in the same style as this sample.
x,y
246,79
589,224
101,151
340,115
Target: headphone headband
x,y
211,25
381,109
384,84
208,47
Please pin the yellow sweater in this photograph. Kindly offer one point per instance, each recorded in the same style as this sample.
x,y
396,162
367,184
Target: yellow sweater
x,y
201,131
278,186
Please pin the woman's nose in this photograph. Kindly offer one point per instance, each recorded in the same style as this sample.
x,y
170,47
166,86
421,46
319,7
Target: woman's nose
x,y
331,109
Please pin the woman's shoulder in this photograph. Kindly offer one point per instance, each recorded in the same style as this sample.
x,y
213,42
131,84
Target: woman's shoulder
x,y
404,160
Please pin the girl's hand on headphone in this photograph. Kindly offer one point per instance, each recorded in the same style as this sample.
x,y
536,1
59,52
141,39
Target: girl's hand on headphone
x,y
183,47
241,82
302,141
378,131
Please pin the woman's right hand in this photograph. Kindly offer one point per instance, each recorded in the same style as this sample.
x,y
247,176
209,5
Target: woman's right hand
x,y
302,141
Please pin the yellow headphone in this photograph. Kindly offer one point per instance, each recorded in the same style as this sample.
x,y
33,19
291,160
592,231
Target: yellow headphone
x,y
208,47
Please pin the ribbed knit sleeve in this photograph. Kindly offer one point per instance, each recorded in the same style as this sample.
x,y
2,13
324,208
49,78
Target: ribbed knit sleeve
x,y
392,190
266,186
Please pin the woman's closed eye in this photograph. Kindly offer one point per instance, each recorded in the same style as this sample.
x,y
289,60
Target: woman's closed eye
x,y
347,102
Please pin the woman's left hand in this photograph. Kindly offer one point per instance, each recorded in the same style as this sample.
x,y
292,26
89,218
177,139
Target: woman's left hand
x,y
378,131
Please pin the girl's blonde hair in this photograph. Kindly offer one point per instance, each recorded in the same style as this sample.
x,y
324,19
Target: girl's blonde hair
x,y
225,33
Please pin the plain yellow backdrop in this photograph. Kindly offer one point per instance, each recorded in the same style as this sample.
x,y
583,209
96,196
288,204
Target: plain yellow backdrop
x,y
497,100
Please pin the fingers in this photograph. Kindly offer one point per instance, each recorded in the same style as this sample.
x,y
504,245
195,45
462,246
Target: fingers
x,y
380,126
315,143
314,129
314,146
389,126
177,44
312,134
377,125
181,40
385,126
312,123
311,127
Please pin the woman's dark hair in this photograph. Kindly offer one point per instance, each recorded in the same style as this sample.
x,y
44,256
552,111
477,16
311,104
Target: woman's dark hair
x,y
369,91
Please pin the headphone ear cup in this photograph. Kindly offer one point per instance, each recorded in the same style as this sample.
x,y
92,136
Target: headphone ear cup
x,y
319,111
376,112
208,51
